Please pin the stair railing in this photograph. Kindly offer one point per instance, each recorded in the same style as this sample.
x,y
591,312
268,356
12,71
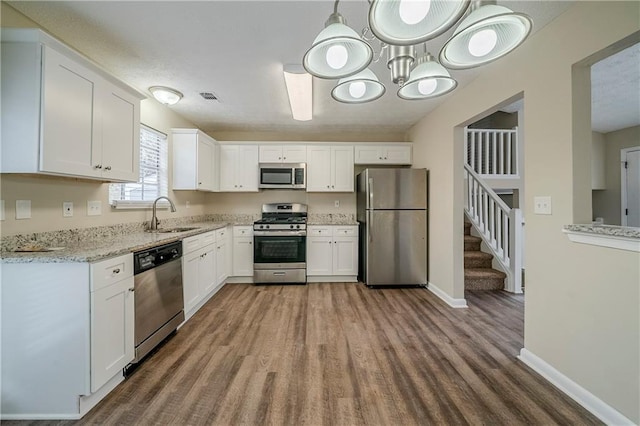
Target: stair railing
x,y
499,226
492,152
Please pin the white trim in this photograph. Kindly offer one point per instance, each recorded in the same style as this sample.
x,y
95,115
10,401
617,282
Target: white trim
x,y
592,403
240,280
332,279
623,182
454,303
40,417
87,402
621,243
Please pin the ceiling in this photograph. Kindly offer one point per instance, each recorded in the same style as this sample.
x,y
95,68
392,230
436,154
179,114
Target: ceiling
x,y
236,49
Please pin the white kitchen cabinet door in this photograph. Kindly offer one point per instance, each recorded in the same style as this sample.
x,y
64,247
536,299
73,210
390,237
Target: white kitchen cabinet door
x,y
194,161
342,169
270,153
345,256
71,139
190,279
112,331
400,154
205,163
120,114
319,256
242,256
207,270
294,153
368,154
318,169
239,168
221,261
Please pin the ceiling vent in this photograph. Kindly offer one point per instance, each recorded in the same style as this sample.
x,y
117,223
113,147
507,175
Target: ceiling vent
x,y
209,96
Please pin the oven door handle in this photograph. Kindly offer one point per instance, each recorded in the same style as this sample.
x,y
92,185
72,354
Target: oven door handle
x,y
280,233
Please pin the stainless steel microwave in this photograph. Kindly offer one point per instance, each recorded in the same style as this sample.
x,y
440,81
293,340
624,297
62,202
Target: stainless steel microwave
x,y
283,175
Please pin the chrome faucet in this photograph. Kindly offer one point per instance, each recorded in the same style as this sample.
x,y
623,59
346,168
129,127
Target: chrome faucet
x,y
154,217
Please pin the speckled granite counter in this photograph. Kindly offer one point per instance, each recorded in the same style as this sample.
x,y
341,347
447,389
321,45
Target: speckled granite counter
x,y
331,219
92,244
618,237
610,230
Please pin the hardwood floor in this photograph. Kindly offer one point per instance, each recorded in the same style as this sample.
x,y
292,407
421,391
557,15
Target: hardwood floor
x,y
341,354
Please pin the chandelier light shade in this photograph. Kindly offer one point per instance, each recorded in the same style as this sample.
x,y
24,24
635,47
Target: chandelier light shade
x,y
486,34
428,80
165,95
357,89
338,51
409,22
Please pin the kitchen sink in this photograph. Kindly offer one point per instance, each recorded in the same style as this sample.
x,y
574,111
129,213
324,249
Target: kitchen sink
x,y
174,230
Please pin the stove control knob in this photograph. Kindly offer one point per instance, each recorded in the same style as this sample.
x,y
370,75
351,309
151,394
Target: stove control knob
x,y
298,226
261,226
291,226
267,226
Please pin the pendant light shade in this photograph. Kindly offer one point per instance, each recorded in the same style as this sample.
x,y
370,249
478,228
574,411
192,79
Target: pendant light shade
x,y
338,51
360,88
409,22
488,33
428,79
165,95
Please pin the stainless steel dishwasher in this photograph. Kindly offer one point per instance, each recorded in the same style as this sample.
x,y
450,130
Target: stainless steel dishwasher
x,y
159,302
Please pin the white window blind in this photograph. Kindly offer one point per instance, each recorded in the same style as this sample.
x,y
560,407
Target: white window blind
x,y
153,181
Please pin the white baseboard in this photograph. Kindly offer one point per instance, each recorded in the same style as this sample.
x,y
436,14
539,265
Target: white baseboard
x,y
240,280
332,279
592,403
40,417
454,303
87,402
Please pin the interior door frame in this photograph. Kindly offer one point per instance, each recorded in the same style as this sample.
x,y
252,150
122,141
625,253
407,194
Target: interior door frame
x,y
623,182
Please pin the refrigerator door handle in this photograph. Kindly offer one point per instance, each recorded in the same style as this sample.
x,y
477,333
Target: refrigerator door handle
x,y
370,193
369,226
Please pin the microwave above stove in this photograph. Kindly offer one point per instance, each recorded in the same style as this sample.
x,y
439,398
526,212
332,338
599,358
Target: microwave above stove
x,y
283,176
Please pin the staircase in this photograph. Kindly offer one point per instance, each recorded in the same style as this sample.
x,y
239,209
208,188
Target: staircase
x,y
478,273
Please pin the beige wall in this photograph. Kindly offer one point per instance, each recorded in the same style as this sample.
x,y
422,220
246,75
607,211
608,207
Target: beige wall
x,y
582,312
607,203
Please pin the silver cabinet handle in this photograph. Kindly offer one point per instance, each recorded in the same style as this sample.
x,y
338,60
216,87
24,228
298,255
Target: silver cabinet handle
x,y
108,168
279,273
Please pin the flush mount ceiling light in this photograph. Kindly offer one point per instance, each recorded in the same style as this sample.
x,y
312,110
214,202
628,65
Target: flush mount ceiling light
x,y
357,89
429,79
486,34
300,90
165,95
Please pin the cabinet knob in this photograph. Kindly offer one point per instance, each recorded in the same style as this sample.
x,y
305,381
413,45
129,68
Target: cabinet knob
x,y
328,186
379,158
97,166
132,289
279,158
333,186
108,168
199,183
235,186
116,271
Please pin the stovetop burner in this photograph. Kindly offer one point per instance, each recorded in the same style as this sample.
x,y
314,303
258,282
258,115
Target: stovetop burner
x,y
285,220
282,216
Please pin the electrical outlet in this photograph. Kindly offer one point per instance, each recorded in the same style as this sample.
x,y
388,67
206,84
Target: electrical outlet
x,y
542,205
94,208
67,209
336,203
188,205
23,209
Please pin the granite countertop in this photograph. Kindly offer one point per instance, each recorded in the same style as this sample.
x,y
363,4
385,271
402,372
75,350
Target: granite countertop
x,y
606,230
104,246
331,219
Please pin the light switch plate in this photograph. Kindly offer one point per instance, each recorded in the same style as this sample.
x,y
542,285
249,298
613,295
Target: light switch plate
x,y
23,209
1,209
94,208
542,205
67,209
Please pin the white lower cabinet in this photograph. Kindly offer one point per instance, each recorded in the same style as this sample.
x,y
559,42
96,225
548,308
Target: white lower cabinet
x,y
204,268
332,252
243,251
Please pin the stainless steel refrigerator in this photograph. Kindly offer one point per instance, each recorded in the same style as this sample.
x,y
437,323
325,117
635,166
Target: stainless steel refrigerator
x,y
392,214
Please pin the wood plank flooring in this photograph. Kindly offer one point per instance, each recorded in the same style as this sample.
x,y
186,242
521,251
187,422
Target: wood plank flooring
x,y
341,354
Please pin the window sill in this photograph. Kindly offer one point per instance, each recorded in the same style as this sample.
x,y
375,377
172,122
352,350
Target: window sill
x,y
618,237
138,205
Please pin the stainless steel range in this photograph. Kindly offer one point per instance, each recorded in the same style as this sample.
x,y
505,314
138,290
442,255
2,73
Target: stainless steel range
x,y
280,244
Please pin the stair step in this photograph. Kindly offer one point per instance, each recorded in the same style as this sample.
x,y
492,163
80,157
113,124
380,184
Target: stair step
x,y
472,243
483,279
467,228
477,259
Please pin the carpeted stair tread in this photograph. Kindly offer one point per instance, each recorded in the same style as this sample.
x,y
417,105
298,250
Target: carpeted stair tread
x,y
477,259
483,279
472,243
484,273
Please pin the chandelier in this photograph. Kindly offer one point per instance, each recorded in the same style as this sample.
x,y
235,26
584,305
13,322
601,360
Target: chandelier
x,y
485,32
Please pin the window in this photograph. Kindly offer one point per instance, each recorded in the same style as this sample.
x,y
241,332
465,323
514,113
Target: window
x,y
153,181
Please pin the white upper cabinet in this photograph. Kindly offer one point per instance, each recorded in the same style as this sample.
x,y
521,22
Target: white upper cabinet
x,y
194,160
62,115
283,153
330,168
239,168
396,153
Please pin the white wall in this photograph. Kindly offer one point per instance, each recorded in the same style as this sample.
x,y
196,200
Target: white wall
x,y
582,312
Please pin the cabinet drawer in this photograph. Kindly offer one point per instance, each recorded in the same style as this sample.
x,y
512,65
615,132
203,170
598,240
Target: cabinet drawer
x,y
221,234
191,244
316,231
107,272
345,231
208,238
243,231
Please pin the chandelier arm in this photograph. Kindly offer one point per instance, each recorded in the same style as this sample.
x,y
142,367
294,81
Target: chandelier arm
x,y
383,47
335,6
